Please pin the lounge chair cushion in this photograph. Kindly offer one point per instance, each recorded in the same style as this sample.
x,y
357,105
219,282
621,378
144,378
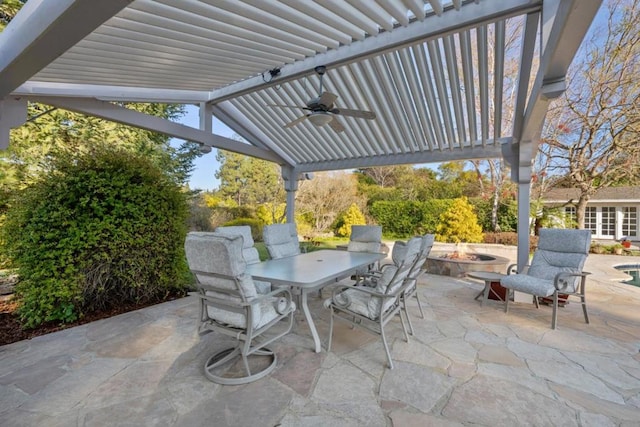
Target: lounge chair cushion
x,y
528,284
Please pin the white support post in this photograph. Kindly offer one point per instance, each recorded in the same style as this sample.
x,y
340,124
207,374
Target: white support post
x,y
524,192
290,176
13,113
206,117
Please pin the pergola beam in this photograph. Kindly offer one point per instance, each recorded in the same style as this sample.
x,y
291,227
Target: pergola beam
x,y
243,127
44,30
478,152
432,27
112,93
115,113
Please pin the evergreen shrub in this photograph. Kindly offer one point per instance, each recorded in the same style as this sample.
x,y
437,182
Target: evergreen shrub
x,y
353,216
94,231
459,224
255,224
402,219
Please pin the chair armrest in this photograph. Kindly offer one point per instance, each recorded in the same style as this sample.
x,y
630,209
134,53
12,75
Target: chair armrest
x,y
513,268
560,281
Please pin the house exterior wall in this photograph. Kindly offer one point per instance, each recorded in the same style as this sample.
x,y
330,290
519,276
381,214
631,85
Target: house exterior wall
x,y
610,220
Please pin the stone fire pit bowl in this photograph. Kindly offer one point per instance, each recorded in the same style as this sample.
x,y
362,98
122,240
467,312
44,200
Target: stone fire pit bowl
x,y
459,267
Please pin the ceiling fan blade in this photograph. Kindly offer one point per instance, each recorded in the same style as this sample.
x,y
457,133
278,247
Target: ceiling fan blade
x,y
296,121
286,106
336,125
361,114
327,99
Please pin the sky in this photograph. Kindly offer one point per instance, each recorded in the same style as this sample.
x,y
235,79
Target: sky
x,y
203,176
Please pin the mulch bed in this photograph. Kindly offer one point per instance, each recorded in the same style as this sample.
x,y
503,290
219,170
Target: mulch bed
x,y
11,331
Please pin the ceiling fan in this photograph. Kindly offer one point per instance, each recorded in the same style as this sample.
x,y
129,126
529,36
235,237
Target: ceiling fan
x,y
321,110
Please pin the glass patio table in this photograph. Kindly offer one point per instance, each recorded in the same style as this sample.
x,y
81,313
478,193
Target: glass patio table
x,y
312,271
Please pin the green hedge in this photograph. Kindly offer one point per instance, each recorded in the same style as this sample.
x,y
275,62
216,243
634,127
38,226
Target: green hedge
x,y
255,224
404,219
97,230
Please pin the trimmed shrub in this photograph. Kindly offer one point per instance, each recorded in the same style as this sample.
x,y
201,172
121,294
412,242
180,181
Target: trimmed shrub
x,y
353,216
459,224
94,231
408,218
255,224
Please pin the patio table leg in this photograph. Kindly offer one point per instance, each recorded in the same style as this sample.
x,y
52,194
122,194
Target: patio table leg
x,y
312,326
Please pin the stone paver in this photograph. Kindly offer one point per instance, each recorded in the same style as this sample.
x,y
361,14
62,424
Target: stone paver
x,y
465,365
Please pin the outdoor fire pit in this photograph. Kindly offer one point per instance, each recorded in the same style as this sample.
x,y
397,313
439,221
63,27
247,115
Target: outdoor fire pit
x,y
458,264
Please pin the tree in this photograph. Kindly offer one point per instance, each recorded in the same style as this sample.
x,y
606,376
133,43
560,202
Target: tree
x,y
458,181
49,129
9,9
459,224
324,197
249,181
593,138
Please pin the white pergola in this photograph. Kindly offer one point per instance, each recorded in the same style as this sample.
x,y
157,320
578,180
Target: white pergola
x,y
434,72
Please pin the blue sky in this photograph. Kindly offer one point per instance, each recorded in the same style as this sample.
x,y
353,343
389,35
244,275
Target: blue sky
x,y
203,176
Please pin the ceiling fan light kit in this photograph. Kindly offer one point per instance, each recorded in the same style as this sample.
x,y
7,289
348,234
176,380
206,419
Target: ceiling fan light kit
x,y
322,110
320,118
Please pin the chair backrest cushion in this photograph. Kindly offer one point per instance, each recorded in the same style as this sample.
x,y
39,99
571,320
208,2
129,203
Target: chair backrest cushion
x,y
425,248
393,276
281,240
250,253
560,250
365,238
406,250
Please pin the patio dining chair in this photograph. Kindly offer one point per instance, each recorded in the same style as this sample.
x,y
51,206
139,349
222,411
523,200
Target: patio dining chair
x,y
426,243
373,305
556,269
365,238
230,305
281,240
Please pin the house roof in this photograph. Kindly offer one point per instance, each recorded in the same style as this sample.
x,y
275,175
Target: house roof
x,y
435,72
603,195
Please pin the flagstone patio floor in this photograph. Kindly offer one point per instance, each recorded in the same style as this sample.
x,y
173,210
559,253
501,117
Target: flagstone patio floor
x,y
465,365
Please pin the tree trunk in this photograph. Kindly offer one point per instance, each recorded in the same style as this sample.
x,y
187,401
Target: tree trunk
x,y
581,208
494,210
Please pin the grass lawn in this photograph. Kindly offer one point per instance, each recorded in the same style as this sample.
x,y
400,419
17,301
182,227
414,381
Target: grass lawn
x,y
316,245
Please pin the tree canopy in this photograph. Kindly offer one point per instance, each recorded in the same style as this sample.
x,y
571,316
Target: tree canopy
x,y
591,135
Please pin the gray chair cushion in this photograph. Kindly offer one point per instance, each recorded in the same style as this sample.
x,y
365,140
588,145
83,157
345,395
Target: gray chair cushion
x,y
281,240
528,284
250,253
366,233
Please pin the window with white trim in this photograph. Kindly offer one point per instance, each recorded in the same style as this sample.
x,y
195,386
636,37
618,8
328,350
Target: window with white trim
x,y
590,219
630,221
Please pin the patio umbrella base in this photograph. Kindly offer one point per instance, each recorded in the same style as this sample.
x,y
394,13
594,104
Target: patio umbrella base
x,y
230,367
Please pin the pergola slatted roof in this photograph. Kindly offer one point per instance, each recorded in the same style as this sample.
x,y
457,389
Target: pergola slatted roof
x,y
435,72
